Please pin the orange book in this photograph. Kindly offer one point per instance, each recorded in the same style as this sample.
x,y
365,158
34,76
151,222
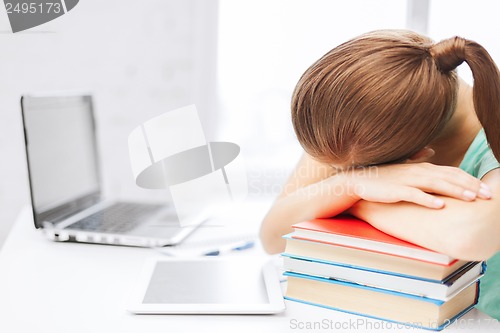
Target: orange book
x,y
348,231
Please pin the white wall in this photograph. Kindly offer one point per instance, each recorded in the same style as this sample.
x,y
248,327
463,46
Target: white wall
x,y
142,58
472,19
138,58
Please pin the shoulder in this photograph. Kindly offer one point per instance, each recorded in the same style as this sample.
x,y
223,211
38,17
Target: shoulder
x,y
479,159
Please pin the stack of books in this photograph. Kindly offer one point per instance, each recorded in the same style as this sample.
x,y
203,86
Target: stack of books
x,y
345,264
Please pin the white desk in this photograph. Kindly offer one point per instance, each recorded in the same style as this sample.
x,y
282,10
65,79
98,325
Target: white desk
x,y
69,287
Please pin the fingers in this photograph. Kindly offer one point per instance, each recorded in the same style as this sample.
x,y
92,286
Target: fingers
x,y
411,194
485,191
471,186
450,181
449,189
416,183
391,193
419,197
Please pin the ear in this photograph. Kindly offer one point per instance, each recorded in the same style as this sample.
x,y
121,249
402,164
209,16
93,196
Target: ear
x,y
422,155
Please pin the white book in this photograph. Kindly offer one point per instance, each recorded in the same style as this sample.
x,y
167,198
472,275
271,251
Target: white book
x,y
440,290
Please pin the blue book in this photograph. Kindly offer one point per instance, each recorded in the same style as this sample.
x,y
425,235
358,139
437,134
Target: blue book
x,y
388,305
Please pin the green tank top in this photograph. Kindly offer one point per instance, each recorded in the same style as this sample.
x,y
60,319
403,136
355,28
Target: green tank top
x,y
478,161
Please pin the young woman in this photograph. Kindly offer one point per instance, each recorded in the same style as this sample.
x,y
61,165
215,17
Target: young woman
x,y
392,135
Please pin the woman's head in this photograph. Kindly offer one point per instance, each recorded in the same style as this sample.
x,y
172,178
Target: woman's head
x,y
383,96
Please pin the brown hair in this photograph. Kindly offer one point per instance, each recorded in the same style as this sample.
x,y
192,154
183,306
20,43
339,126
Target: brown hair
x,y
383,96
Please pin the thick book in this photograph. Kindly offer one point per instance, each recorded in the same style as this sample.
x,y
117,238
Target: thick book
x,y
369,259
352,232
441,290
380,304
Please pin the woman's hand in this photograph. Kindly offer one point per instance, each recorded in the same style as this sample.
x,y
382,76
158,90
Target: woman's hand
x,y
414,182
316,190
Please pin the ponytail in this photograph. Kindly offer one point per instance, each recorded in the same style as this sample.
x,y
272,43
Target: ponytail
x,y
450,53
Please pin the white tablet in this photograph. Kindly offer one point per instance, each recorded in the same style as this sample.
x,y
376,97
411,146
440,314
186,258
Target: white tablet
x,y
208,285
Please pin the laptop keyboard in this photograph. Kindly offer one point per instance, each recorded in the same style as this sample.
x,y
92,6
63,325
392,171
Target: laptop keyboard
x,y
117,218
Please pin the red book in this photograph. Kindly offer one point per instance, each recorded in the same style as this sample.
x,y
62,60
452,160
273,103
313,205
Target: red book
x,y
351,232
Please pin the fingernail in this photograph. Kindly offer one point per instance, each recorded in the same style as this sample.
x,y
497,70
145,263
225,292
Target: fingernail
x,y
469,195
485,193
438,203
485,186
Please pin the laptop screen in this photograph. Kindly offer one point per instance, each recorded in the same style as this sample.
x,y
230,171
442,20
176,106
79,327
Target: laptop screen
x,y
61,151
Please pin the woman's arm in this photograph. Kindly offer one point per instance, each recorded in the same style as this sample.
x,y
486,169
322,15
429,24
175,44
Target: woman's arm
x,y
316,190
465,230
313,190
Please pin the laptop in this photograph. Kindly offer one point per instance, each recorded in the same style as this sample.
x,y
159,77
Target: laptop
x,y
65,183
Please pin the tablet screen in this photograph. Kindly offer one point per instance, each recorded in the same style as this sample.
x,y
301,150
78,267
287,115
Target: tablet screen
x,y
206,282
208,285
